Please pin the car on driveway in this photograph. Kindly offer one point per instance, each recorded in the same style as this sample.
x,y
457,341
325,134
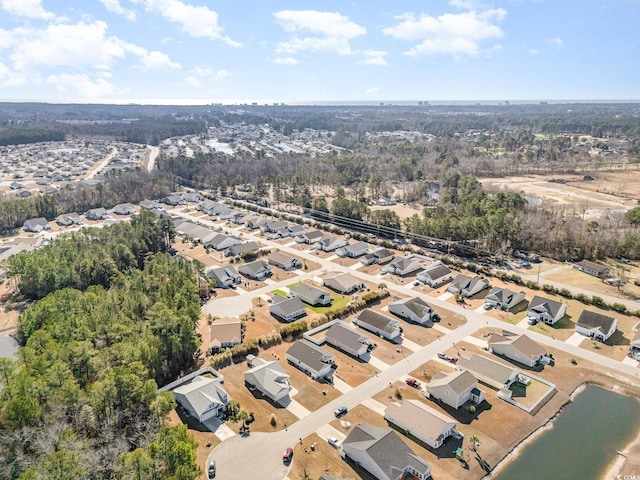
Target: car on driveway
x,y
340,411
442,356
287,455
412,382
333,441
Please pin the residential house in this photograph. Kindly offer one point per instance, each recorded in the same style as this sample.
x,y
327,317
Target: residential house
x,y
455,388
343,283
354,250
96,214
258,224
596,325
421,421
172,200
382,453
310,294
315,361
435,274
272,226
36,225
226,332
283,261
23,194
379,324
495,374
212,208
150,205
269,378
287,309
343,337
382,256
124,209
402,266
368,259
239,249
519,348
413,309
231,215
67,219
503,298
192,197
329,243
196,232
204,397
467,286
258,270
225,277
544,310
295,230
385,202
249,219
222,242
309,237
592,268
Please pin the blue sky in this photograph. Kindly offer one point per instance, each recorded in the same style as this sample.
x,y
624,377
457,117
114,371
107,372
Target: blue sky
x,y
203,51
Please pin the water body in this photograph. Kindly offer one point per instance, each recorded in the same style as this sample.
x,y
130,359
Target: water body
x,y
583,441
286,148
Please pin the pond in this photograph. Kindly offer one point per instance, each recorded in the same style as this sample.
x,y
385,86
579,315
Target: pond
x,y
583,441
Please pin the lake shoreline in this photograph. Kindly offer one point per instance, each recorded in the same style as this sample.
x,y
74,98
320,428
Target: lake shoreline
x,y
614,469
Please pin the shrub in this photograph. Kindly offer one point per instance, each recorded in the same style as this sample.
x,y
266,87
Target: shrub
x,y
573,361
472,409
273,421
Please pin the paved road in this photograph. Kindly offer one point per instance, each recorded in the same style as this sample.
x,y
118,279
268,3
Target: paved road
x,y
153,154
103,164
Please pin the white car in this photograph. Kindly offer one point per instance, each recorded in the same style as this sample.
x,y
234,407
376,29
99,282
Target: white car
x,y
333,441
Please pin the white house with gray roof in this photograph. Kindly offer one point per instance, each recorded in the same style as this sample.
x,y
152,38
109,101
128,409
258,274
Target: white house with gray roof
x,y
346,338
413,309
258,270
269,378
309,237
124,209
221,242
455,388
421,421
435,275
519,348
382,453
329,243
203,397
488,371
379,324
467,286
283,261
225,277
313,360
503,298
310,294
36,225
96,214
241,248
403,266
544,310
354,250
287,309
344,283
596,325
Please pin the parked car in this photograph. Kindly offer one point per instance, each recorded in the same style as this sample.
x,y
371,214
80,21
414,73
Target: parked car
x,y
488,306
531,321
340,411
211,470
412,382
333,441
442,356
287,455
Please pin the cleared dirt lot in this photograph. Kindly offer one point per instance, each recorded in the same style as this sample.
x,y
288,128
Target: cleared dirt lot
x,y
610,191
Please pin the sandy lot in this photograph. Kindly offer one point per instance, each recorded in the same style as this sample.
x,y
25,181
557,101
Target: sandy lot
x,y
610,191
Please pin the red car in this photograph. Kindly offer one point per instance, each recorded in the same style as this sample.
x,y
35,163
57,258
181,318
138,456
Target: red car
x,y
287,455
412,382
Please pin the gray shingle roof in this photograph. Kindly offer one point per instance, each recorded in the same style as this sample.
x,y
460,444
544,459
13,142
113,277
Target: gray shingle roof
x,y
309,354
377,320
594,320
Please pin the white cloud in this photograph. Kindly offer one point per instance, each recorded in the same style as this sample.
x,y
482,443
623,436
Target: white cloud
x,y
192,81
556,42
9,78
330,32
157,61
533,51
448,34
26,8
196,21
285,61
114,6
82,84
374,57
370,92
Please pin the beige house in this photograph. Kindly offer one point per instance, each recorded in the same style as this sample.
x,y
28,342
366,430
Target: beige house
x,y
519,348
422,422
455,388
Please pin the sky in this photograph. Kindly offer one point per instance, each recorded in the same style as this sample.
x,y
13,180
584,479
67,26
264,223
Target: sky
x,y
302,51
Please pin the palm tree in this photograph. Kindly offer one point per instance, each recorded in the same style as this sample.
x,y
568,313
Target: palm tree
x,y
475,442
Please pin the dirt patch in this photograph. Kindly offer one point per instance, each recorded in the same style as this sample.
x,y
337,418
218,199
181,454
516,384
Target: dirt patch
x,y
12,305
322,460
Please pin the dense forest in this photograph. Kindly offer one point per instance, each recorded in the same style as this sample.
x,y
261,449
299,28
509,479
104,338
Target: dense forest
x,y
81,402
